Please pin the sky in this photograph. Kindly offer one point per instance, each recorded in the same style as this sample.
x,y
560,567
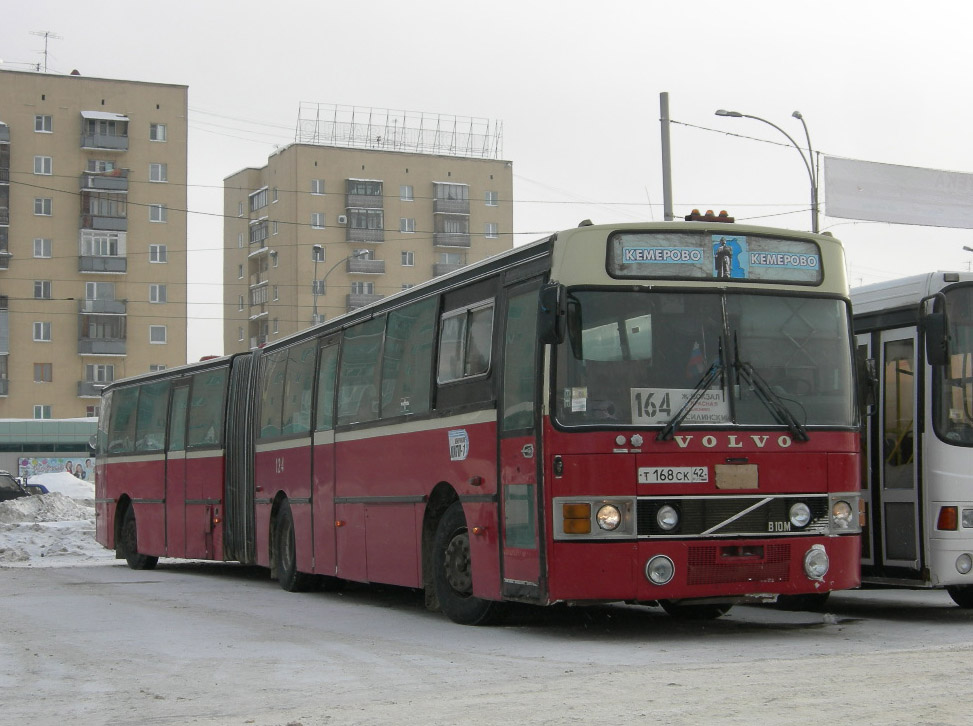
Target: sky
x,y
575,87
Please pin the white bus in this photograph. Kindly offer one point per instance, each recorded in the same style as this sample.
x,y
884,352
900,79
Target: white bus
x,y
917,473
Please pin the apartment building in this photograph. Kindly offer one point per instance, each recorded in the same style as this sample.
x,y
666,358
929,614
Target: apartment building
x,y
92,237
340,219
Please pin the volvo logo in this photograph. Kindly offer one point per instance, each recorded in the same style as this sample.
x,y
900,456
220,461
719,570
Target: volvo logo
x,y
735,441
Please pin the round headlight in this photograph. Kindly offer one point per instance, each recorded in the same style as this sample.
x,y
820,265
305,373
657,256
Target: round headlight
x,y
816,562
800,514
964,563
842,514
659,570
608,517
667,517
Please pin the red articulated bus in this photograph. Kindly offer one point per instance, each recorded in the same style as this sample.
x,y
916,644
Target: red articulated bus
x,y
658,413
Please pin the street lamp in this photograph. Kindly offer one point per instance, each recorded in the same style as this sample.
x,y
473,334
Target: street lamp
x,y
807,159
317,255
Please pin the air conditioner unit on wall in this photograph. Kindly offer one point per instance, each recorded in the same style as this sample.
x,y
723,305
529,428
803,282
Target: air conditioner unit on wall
x,y
342,219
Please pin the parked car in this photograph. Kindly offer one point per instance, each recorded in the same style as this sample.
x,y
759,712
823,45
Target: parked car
x,y
35,488
10,488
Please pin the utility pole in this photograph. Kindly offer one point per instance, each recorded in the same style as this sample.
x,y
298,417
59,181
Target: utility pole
x,y
666,158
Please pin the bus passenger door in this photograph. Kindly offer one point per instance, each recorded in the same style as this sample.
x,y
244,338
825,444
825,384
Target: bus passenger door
x,y
323,464
176,473
521,518
899,491
863,342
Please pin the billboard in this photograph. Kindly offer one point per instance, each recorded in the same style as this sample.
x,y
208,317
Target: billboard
x,y
897,194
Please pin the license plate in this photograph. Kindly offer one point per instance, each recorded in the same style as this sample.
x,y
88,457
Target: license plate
x,y
673,475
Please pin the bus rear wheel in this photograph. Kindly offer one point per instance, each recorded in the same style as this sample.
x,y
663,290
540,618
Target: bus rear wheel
x,y
129,544
962,595
285,553
708,611
452,572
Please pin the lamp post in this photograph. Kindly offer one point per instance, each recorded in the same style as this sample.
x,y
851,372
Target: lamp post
x,y
317,255
808,159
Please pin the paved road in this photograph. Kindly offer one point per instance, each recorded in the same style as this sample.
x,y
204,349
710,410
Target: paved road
x,y
211,644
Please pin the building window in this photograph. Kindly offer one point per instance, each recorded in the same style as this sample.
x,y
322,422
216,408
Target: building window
x,y
407,224
276,326
452,192
405,193
158,172
43,165
156,367
239,302
362,288
92,411
44,124
408,259
258,200
273,227
366,218
239,209
273,258
99,373
43,206
157,334
100,166
95,243
158,213
452,258
157,132
42,247
492,199
157,293
99,291
276,297
43,372
275,195
317,220
42,411
407,285
364,187
239,272
490,231
42,289
157,253
239,333
239,240
317,186
42,332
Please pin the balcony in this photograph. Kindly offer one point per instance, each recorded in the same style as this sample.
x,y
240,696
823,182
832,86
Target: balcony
x,y
112,224
112,181
4,215
444,268
451,206
102,307
360,300
90,389
89,263
4,386
101,346
451,239
4,133
355,234
363,201
4,175
367,267
106,142
258,341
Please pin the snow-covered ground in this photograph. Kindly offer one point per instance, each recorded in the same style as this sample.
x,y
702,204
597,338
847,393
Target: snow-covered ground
x,y
56,529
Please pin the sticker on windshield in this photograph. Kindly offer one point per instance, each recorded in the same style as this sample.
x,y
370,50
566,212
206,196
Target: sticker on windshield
x,y
656,406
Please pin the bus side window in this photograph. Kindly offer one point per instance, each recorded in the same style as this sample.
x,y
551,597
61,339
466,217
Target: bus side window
x,y
150,432
206,409
327,373
121,430
465,342
407,359
298,385
271,384
358,395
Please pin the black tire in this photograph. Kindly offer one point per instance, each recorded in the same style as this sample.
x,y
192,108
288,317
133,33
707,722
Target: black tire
x,y
285,553
452,575
813,602
128,545
709,611
962,595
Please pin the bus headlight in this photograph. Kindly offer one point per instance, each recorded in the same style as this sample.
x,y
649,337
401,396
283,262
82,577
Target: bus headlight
x,y
842,514
608,517
800,514
816,562
667,517
964,563
659,570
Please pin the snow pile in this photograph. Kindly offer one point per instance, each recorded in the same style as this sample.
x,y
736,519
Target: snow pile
x,y
51,530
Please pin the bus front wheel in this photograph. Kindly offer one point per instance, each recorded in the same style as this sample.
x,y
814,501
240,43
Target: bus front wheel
x,y
285,552
129,544
453,575
962,595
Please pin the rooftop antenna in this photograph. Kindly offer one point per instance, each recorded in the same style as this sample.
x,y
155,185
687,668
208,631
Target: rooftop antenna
x,y
46,35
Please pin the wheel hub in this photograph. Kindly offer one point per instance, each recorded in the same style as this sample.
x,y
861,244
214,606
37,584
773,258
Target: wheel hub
x,y
457,564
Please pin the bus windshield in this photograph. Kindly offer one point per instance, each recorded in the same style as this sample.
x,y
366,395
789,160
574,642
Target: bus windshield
x,y
685,359
953,385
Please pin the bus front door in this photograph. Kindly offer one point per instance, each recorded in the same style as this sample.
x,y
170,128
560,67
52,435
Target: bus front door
x,y
898,490
176,473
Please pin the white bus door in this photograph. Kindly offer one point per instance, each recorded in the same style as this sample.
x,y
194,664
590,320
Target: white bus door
x,y
898,486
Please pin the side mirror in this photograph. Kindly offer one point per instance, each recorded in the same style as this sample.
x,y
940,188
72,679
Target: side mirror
x,y
937,338
551,314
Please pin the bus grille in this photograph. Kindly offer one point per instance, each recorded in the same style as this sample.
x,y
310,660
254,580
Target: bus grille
x,y
713,565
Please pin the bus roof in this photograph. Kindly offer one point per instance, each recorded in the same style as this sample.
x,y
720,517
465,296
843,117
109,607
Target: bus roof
x,y
904,292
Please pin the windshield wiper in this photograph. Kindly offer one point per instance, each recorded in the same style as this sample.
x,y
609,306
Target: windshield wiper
x,y
704,383
769,398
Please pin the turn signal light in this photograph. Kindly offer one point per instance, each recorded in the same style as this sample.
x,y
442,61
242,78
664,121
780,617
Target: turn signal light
x,y
577,518
948,518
